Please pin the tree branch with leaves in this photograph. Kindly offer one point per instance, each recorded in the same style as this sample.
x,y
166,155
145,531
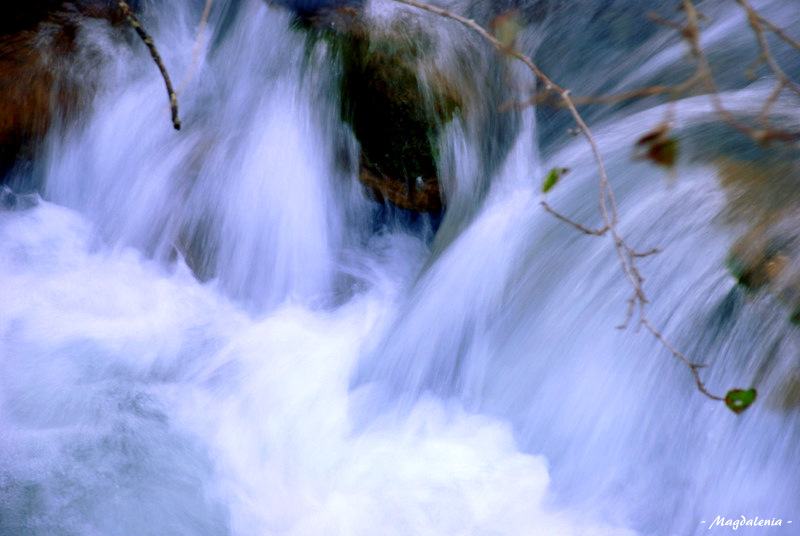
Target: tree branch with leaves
x,y
662,150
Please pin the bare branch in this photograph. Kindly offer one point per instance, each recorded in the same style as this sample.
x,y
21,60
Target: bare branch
x,y
691,33
777,31
607,203
578,226
773,97
755,23
703,75
639,93
694,367
654,251
658,19
629,312
486,35
173,98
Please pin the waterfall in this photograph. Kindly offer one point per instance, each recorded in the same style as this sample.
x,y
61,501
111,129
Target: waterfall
x,y
217,331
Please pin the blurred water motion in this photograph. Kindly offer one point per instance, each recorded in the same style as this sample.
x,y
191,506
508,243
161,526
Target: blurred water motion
x,y
217,332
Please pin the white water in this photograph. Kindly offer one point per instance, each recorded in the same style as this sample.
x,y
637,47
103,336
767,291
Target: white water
x,y
334,376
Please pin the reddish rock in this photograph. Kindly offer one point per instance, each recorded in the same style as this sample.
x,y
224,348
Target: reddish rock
x,y
37,42
424,195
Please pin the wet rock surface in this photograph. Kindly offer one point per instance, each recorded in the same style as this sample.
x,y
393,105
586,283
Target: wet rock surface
x,y
395,97
399,98
395,113
38,87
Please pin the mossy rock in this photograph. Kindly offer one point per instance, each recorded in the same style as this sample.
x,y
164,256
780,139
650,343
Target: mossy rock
x,y
37,87
395,112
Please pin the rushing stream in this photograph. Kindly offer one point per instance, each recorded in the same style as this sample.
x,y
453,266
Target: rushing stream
x,y
338,368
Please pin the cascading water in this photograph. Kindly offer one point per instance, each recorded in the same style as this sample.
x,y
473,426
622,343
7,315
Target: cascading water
x,y
323,369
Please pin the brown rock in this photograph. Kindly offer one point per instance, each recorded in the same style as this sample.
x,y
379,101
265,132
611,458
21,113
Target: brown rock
x,y
36,88
764,197
423,196
395,103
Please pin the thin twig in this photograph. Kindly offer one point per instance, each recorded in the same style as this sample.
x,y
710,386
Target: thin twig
x,y
654,251
608,206
691,33
629,312
755,24
486,35
777,31
703,75
173,98
771,100
638,93
578,226
694,367
658,19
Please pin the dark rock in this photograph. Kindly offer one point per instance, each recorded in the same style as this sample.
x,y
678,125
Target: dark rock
x,y
398,97
37,42
423,197
396,117
395,113
308,9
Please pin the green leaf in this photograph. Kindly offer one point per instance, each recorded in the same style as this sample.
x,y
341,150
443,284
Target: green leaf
x,y
739,400
552,178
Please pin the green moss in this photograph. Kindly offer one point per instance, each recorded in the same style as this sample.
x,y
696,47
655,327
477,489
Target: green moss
x,y
395,114
384,103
